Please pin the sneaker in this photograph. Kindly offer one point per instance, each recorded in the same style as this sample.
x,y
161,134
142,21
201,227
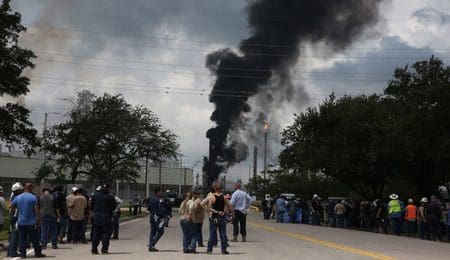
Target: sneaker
x,y
105,252
94,252
152,249
225,253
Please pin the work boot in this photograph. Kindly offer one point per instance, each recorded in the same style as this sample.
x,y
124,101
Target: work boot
x,y
234,239
244,239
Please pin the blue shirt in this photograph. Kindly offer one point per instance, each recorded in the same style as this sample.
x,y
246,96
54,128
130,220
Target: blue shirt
x,y
26,203
156,207
280,204
240,200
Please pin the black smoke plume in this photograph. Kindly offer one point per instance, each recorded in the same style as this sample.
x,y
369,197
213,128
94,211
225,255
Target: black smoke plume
x,y
264,60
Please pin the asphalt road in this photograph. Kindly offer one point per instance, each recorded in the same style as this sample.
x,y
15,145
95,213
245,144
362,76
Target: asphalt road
x,y
266,240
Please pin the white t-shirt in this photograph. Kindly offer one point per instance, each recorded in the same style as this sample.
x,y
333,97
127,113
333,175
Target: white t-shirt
x,y
2,209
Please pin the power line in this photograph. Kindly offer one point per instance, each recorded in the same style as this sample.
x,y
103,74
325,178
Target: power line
x,y
199,67
205,51
205,74
165,38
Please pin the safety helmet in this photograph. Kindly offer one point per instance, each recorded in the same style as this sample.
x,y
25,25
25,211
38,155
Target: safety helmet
x,y
17,186
424,200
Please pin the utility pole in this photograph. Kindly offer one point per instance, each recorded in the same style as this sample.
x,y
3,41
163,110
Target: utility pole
x,y
181,176
146,177
160,169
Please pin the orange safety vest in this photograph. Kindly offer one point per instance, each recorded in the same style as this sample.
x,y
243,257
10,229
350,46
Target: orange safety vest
x,y
411,212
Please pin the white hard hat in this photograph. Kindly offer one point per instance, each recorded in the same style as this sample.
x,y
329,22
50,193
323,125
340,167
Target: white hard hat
x,y
424,200
410,201
17,186
315,196
393,196
74,188
99,188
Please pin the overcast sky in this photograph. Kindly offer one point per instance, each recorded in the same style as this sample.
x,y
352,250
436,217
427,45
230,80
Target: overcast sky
x,y
153,52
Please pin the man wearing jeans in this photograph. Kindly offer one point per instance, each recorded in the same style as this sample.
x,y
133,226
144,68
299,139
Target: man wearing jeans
x,y
240,200
28,220
216,206
77,216
49,217
156,208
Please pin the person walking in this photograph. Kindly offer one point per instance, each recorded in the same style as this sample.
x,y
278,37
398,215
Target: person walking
x,y
28,221
187,225
434,213
395,212
49,217
198,217
411,218
240,201
13,238
156,208
77,210
116,217
216,206
103,205
339,212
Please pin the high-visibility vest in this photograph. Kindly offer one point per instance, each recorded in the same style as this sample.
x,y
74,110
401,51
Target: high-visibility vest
x,y
394,207
411,212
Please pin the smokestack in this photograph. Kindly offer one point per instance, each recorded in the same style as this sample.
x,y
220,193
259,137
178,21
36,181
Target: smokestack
x,y
261,68
255,161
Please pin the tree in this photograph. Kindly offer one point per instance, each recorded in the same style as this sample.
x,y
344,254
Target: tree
x,y
354,140
15,127
104,138
423,92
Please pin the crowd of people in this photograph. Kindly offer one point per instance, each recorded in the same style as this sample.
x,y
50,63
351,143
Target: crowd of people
x,y
221,208
54,217
429,219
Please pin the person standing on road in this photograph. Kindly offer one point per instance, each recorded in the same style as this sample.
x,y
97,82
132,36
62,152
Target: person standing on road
x,y
434,212
187,225
448,221
3,208
411,218
422,218
240,200
156,208
136,203
280,205
216,206
316,210
28,221
60,205
339,212
380,217
69,205
103,206
50,217
13,238
77,210
198,217
395,212
116,217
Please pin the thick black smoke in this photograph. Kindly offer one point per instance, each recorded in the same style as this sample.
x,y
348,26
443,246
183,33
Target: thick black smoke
x,y
264,60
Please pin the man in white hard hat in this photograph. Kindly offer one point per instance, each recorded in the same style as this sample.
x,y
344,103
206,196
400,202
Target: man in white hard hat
x,y
69,204
395,209
422,218
13,238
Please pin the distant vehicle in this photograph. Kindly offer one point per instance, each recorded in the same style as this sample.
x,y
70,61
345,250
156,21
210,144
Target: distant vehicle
x,y
288,195
173,198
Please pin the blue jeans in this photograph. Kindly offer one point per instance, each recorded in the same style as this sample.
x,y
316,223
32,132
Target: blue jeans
x,y
221,224
280,216
77,230
156,231
199,233
115,225
13,239
62,226
103,233
189,235
49,225
396,226
28,232
423,231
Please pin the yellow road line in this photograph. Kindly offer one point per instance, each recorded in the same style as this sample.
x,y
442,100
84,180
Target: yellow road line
x,y
323,242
